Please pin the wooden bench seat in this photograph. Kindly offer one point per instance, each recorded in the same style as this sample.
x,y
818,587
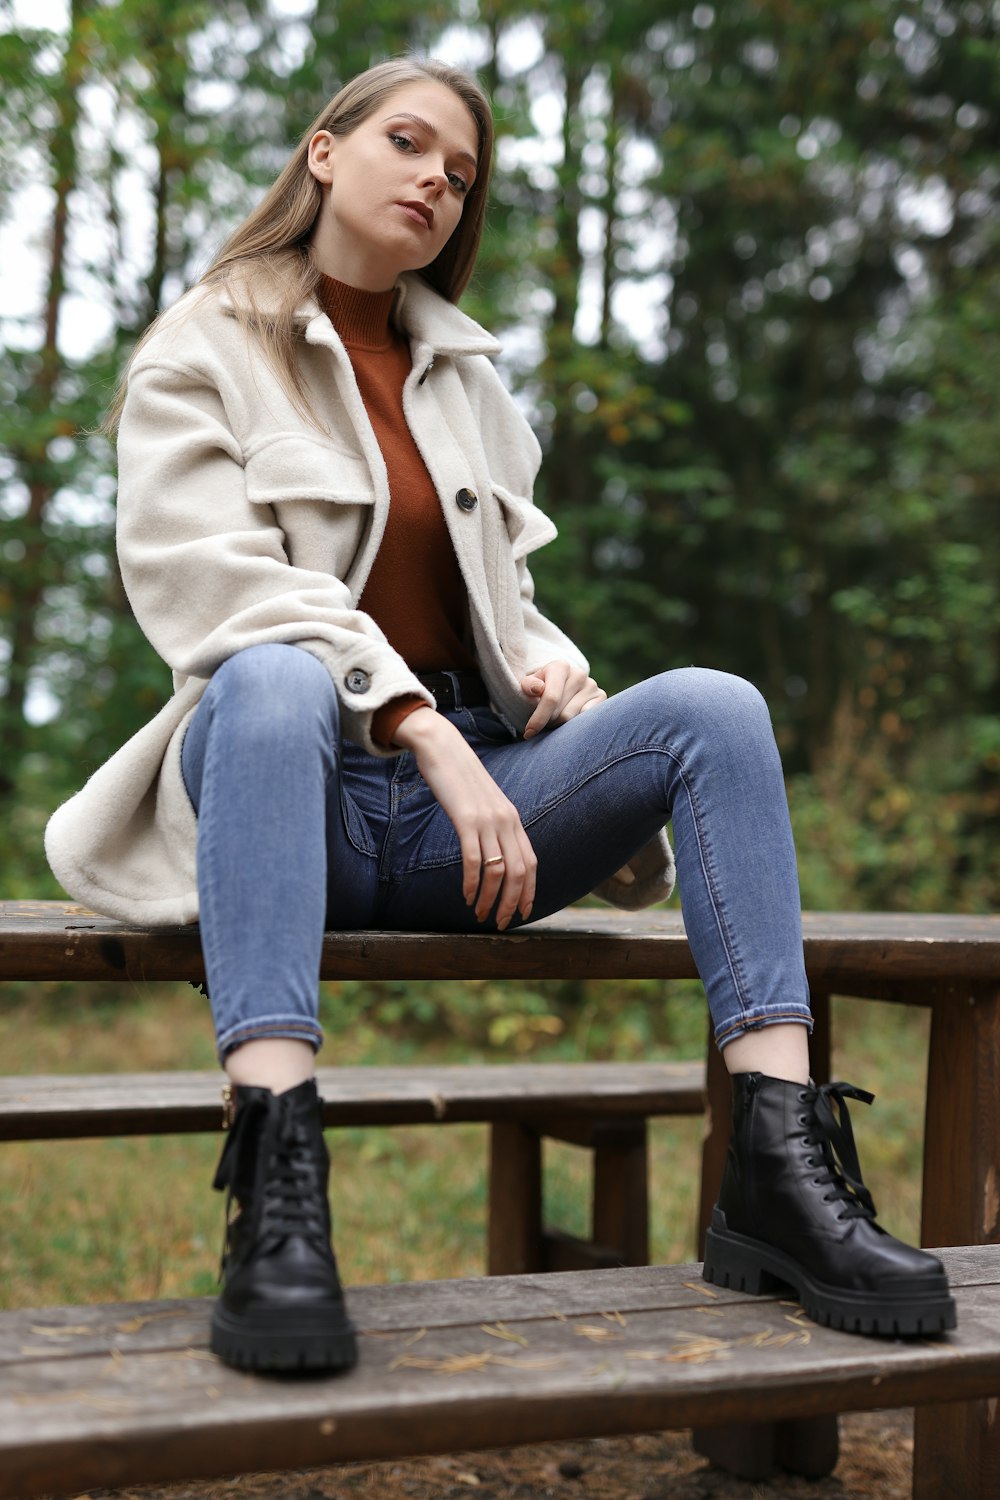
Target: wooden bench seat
x,y
124,1394
65,1106
602,1107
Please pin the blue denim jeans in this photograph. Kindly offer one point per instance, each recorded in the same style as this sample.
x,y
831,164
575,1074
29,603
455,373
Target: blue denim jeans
x,y
300,830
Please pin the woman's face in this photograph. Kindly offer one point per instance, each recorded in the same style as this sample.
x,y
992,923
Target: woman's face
x,y
397,185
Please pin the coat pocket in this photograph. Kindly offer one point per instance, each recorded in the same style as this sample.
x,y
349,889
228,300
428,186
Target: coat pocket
x,y
301,468
527,527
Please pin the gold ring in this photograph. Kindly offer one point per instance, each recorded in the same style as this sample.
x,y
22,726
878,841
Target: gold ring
x,y
494,859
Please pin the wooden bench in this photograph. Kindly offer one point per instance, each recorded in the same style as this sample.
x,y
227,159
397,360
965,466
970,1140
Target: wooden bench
x,y
124,1394
601,1106
950,964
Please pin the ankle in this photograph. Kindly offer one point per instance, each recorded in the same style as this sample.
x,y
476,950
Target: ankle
x,y
780,1051
278,1064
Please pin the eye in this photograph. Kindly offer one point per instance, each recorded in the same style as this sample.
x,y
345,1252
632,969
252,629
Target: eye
x,y
401,142
458,183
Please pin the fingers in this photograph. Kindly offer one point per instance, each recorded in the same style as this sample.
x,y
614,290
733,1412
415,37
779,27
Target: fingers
x,y
507,873
567,691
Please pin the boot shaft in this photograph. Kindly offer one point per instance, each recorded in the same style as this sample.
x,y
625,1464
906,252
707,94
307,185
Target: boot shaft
x,y
275,1166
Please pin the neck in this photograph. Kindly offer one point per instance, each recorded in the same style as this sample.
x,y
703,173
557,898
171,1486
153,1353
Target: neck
x,y
361,317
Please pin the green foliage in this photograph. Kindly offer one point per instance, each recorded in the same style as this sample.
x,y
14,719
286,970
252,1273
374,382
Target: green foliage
x,y
745,260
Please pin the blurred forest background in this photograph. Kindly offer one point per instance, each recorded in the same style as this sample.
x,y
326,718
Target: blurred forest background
x,y
744,258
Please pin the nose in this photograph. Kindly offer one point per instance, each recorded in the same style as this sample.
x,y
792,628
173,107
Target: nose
x,y
434,179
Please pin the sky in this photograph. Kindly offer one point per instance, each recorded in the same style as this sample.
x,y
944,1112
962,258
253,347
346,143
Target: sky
x,y
86,322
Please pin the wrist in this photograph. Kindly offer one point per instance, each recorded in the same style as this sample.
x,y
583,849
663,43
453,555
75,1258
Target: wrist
x,y
419,727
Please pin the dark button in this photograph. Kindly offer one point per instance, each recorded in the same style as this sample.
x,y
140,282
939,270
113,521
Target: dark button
x,y
357,680
467,500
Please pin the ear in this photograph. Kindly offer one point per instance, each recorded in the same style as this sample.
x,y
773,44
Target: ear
x,y
320,157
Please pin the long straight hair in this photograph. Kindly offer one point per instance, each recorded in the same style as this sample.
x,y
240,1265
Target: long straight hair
x,y
265,262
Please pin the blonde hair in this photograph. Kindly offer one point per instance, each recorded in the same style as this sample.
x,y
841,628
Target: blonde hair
x,y
267,261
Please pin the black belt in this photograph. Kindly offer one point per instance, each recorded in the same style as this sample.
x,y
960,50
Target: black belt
x,y
455,689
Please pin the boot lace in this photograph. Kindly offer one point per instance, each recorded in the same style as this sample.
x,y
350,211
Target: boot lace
x,y
839,1155
288,1194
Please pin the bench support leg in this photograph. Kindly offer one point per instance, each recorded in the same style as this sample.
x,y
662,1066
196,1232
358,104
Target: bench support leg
x,y
957,1446
755,1450
514,1246
518,1242
621,1191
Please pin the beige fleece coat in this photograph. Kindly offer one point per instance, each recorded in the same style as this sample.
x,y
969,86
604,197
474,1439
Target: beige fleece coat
x,y
240,523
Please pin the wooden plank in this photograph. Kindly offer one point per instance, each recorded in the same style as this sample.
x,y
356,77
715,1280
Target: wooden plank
x,y
59,940
57,1107
80,1410
957,1448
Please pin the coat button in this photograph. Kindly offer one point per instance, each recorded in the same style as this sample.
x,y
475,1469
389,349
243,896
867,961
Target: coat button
x,y
466,500
357,680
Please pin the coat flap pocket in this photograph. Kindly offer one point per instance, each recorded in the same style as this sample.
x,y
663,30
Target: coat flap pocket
x,y
527,527
302,468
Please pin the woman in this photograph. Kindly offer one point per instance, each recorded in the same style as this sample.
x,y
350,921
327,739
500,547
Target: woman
x,y
324,514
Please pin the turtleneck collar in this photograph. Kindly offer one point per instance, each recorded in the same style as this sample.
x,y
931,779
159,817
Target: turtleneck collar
x,y
361,318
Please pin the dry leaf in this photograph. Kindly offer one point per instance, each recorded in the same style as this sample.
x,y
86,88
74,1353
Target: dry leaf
x,y
534,1362
614,1317
415,1337
594,1332
501,1331
132,1325
696,1286
449,1364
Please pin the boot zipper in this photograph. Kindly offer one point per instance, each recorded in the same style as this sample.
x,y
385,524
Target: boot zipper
x,y
228,1105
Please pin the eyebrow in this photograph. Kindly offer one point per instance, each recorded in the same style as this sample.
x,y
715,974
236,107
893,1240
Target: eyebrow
x,y
431,130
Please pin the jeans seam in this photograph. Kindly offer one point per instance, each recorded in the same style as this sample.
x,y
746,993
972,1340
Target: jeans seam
x,y
269,1026
711,885
765,1016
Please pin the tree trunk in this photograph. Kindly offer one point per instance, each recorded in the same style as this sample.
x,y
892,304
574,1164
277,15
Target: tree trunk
x,y
42,423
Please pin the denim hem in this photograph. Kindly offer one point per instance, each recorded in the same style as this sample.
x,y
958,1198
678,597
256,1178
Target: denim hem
x,y
755,1021
270,1028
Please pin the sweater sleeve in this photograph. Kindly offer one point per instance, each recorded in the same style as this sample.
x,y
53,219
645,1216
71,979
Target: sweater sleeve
x,y
205,568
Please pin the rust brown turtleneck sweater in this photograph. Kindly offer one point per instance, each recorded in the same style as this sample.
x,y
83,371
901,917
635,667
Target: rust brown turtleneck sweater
x,y
415,592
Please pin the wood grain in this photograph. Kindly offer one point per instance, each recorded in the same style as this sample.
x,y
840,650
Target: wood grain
x,y
121,1395
59,940
61,1106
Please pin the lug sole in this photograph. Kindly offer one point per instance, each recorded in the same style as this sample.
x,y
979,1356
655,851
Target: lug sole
x,y
270,1339
746,1265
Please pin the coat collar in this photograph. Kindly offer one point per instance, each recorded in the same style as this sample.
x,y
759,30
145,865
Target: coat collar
x,y
435,325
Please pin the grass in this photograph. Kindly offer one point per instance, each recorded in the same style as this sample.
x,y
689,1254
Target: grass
x,y
108,1220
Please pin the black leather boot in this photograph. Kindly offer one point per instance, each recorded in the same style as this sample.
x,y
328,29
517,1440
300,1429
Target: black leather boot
x,y
281,1306
794,1214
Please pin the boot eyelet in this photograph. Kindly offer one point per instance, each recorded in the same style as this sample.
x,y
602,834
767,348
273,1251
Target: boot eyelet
x,y
803,1119
803,1096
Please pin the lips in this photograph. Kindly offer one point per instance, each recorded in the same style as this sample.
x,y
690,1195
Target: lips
x,y
416,208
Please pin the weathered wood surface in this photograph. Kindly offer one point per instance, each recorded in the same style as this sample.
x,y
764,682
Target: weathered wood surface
x,y
845,951
55,1107
121,1394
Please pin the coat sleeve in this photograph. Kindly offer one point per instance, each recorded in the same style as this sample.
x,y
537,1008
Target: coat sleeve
x,y
205,569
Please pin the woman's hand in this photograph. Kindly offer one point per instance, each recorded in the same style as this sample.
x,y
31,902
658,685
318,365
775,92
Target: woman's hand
x,y
487,822
562,691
